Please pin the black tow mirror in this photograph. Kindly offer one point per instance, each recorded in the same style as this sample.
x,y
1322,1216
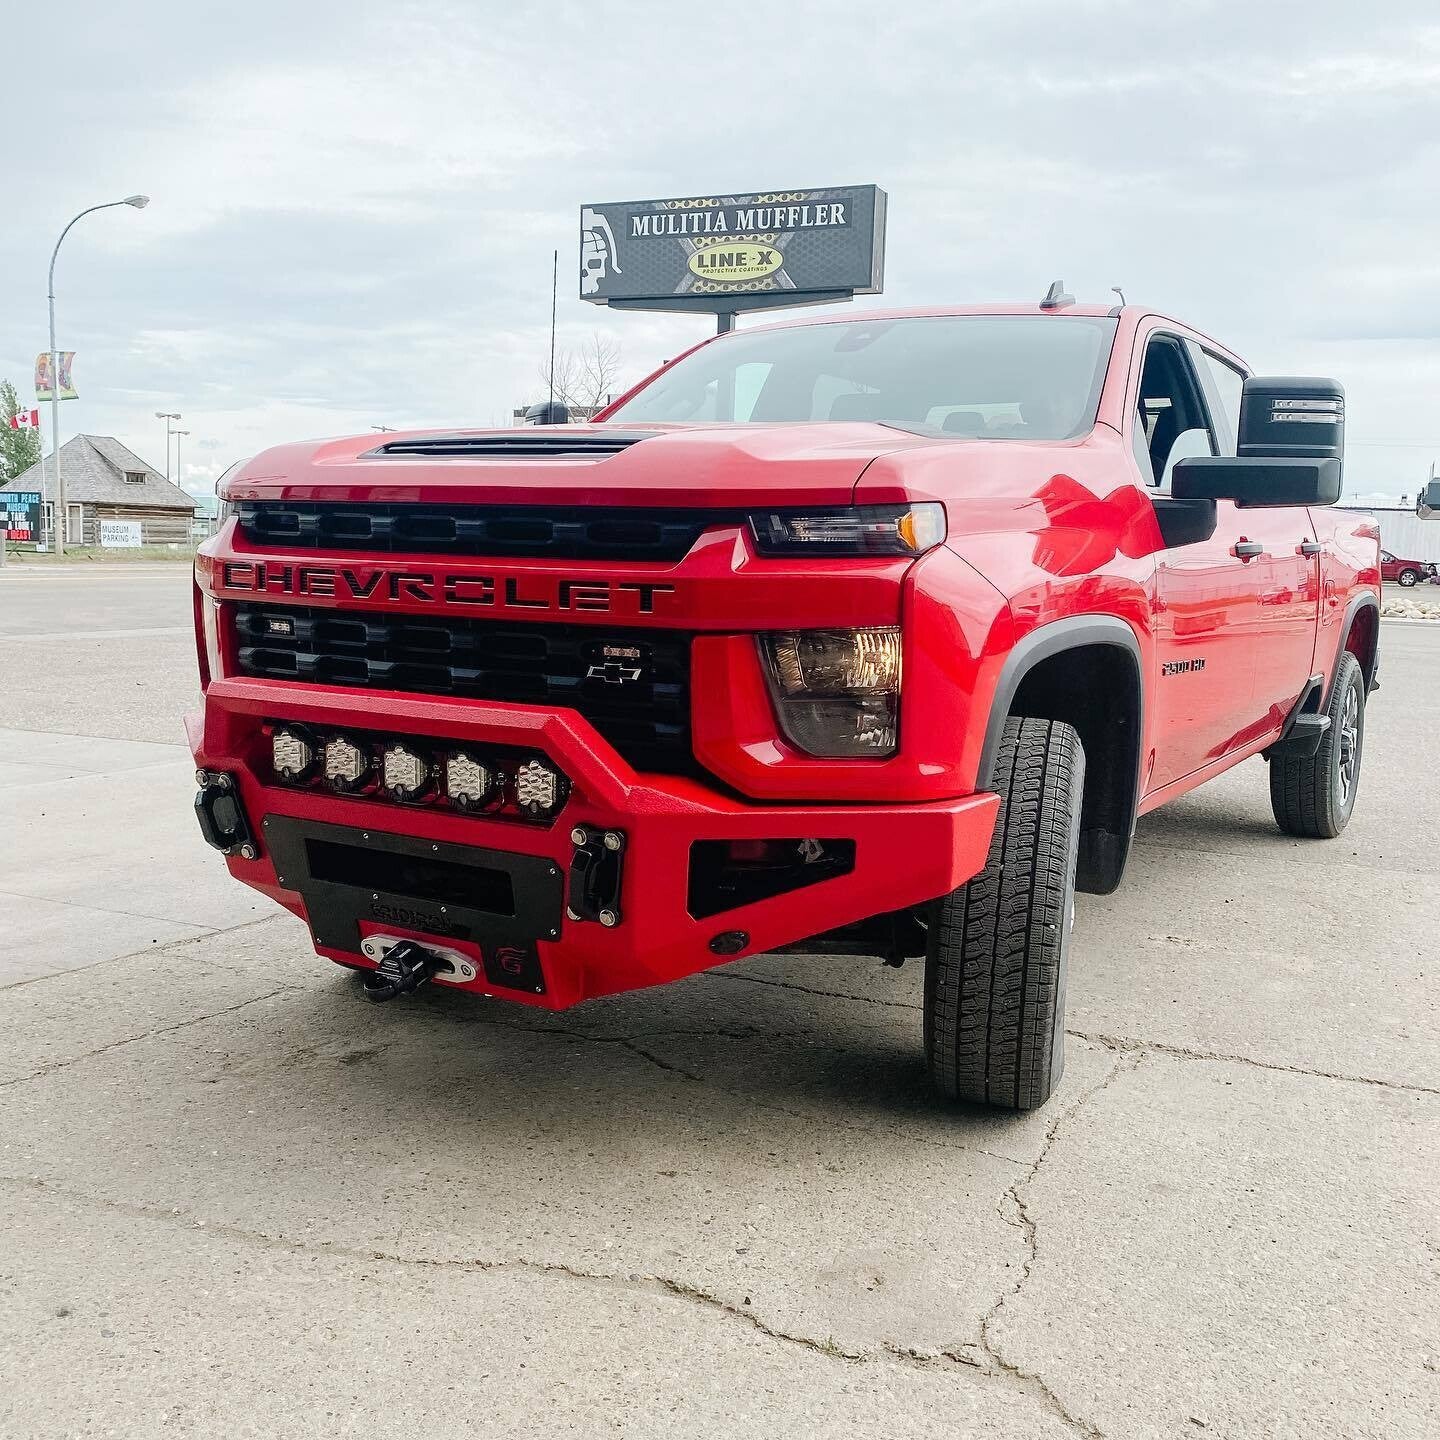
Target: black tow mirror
x,y
548,412
1291,448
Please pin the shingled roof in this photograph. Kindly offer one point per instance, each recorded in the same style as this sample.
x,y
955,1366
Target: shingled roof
x,y
94,469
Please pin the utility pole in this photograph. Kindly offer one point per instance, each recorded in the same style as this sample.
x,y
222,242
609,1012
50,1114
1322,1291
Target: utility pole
x,y
554,300
138,202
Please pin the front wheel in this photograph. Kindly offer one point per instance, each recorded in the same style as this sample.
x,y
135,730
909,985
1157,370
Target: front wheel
x,y
1409,577
998,946
1314,796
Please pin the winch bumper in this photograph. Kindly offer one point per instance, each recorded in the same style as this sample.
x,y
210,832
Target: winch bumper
x,y
625,887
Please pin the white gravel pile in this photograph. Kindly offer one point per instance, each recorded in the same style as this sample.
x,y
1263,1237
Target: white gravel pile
x,y
1409,609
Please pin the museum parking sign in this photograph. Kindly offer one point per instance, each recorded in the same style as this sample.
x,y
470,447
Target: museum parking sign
x,y
731,251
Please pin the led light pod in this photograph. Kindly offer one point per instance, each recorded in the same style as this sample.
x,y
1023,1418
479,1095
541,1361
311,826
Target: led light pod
x,y
539,788
292,754
469,781
405,774
346,763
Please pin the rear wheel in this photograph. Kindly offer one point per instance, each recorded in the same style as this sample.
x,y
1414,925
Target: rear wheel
x,y
999,945
1314,796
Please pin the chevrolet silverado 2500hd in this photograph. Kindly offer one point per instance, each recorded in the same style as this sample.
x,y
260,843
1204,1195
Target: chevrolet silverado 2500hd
x,y
871,635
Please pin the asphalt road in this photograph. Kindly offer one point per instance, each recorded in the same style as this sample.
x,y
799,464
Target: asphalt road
x,y
240,1201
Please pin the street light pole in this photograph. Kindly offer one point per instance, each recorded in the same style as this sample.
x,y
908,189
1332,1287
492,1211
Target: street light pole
x,y
179,469
167,416
139,202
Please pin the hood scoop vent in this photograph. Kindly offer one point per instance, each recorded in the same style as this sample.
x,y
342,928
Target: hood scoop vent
x,y
537,444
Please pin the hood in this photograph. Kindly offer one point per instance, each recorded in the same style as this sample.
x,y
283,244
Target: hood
x,y
693,465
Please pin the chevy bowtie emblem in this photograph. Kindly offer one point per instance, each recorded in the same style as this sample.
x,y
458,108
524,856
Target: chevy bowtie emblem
x,y
617,664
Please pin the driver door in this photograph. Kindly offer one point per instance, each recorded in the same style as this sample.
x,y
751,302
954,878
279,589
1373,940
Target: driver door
x,y
1205,593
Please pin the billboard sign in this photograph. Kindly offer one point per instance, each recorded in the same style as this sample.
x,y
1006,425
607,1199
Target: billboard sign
x,y
734,252
20,514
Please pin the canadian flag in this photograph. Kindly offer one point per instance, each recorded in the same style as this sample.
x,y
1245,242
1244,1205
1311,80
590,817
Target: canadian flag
x,y
25,420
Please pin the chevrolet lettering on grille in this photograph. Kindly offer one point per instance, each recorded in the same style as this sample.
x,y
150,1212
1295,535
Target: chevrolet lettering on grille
x,y
371,584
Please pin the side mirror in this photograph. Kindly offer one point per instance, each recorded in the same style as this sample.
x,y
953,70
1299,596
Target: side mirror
x,y
1291,448
548,412
1427,502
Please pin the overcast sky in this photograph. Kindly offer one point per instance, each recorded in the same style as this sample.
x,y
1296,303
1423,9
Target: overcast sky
x,y
354,205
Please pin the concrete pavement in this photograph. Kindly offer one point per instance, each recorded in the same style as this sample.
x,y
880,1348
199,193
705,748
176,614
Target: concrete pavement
x,y
238,1200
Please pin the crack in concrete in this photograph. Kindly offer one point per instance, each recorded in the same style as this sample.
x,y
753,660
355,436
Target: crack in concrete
x,y
808,1117
1121,1042
1014,1210
151,951
57,1065
809,990
1126,1044
662,1285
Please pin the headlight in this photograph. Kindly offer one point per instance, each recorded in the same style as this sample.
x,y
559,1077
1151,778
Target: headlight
x,y
853,530
837,692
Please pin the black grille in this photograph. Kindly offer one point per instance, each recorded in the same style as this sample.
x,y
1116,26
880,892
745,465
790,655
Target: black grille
x,y
574,534
539,444
645,717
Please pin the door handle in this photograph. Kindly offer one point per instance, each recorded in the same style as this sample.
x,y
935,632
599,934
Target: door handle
x,y
1247,549
1311,547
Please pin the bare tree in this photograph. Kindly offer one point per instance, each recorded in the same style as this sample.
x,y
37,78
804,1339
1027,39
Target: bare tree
x,y
584,377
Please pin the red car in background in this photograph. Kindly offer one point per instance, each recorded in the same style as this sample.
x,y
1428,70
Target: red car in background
x,y
1405,572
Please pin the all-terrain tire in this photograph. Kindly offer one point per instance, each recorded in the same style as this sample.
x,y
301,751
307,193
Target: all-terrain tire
x,y
1314,797
1408,578
998,946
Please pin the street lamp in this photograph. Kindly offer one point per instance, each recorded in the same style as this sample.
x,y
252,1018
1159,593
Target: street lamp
x,y
138,202
167,416
179,471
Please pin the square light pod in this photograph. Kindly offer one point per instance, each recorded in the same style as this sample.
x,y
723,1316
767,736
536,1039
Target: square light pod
x,y
540,789
470,782
292,754
346,763
405,774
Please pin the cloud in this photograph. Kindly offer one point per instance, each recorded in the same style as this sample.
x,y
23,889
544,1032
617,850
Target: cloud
x,y
355,204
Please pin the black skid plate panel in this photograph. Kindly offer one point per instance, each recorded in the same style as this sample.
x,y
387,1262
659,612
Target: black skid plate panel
x,y
500,901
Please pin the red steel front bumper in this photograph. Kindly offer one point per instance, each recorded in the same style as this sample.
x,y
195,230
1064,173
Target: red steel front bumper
x,y
905,853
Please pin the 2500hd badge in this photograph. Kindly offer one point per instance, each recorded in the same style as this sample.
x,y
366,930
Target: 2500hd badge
x,y
878,664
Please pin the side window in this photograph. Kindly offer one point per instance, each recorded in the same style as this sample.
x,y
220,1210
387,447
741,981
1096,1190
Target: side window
x,y
1223,385
1170,411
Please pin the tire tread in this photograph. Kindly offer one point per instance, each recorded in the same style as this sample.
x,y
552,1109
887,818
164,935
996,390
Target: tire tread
x,y
994,972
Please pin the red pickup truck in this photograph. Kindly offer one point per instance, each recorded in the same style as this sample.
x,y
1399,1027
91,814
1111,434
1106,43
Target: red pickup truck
x,y
865,635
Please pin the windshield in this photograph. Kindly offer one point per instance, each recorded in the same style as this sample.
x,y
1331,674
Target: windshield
x,y
992,377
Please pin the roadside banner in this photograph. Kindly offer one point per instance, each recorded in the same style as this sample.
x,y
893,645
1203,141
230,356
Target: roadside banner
x,y
120,534
43,389
25,420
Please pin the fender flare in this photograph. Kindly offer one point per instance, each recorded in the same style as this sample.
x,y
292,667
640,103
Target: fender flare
x,y
1040,644
1104,848
1363,601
